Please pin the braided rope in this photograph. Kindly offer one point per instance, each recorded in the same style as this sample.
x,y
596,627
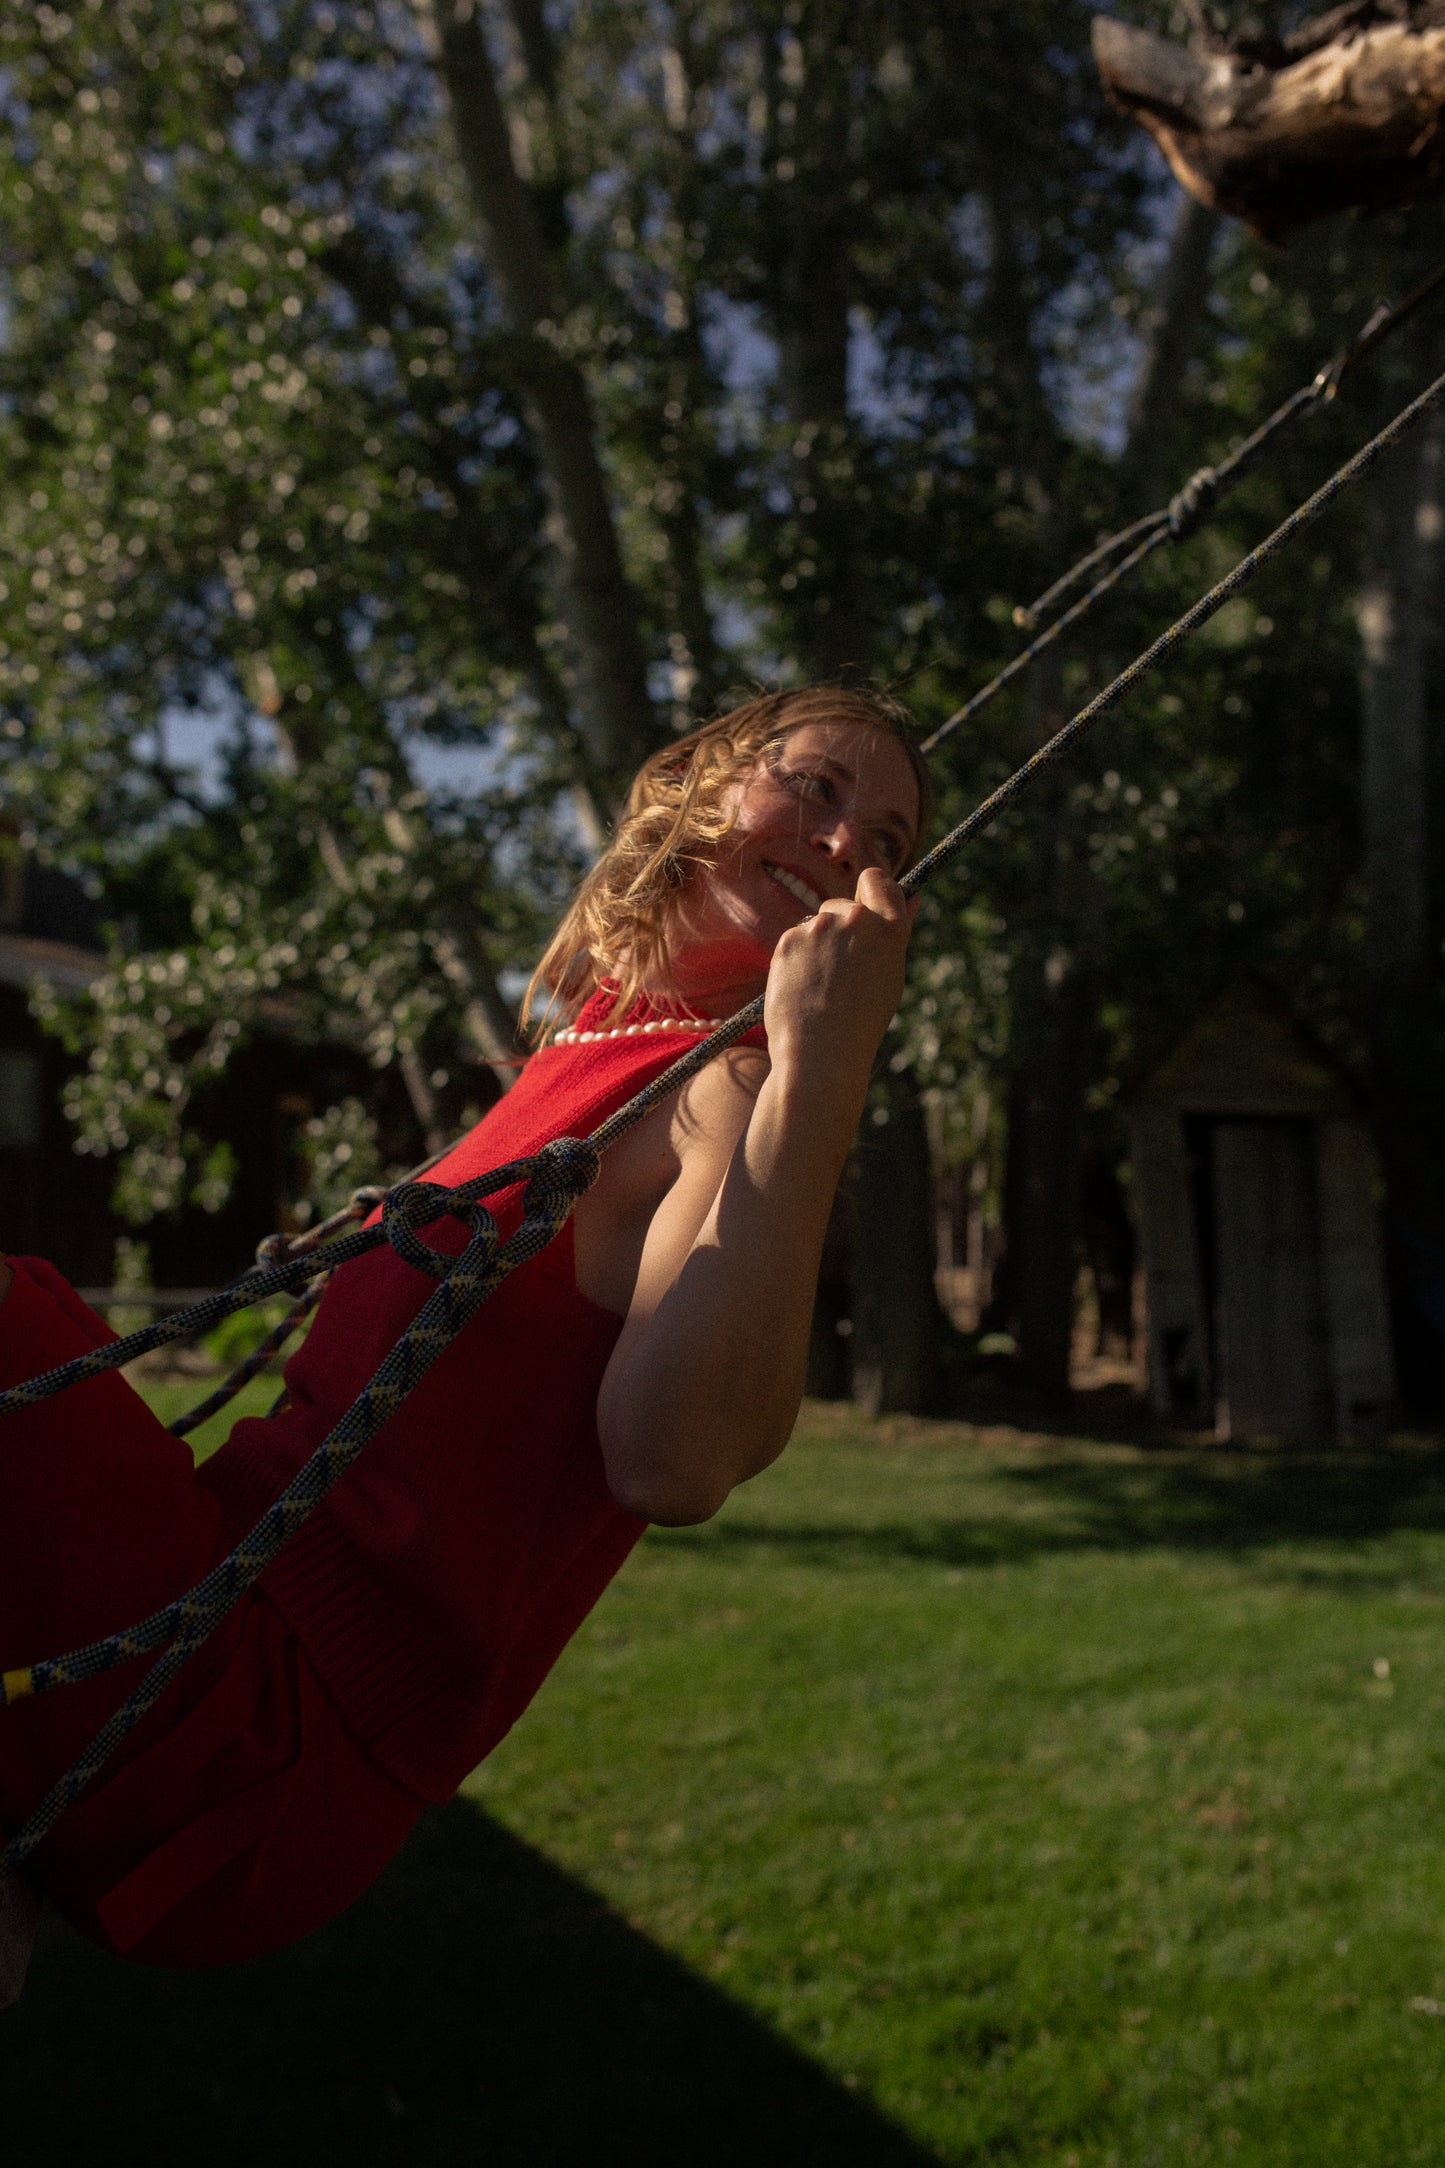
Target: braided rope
x,y
1176,519
563,1171
984,815
254,1286
558,1174
1199,494
251,1365
1172,522
1029,655
1305,515
276,1249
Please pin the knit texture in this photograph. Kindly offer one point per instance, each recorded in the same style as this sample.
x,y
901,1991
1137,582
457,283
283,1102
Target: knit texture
x,y
437,1584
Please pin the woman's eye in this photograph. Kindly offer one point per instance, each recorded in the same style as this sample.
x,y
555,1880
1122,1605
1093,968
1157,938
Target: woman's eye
x,y
807,783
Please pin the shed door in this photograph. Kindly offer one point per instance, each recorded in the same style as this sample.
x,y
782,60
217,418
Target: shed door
x,y
1271,1344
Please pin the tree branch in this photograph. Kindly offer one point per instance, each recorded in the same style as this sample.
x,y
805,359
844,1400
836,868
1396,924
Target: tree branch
x,y
598,602
1171,326
1348,112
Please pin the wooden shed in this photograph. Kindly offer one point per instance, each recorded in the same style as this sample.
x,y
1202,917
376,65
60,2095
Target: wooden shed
x,y
1255,1188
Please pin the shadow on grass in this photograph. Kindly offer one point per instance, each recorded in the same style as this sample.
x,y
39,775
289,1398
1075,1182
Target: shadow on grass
x,y
1194,1501
477,2006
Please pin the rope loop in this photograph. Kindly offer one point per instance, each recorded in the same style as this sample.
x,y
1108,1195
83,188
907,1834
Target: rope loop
x,y
413,1204
1193,499
273,1250
564,1170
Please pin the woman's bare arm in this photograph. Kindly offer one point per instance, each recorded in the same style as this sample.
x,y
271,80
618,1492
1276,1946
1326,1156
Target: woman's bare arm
x,y
703,1388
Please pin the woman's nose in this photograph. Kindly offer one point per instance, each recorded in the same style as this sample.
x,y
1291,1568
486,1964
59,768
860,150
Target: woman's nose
x,y
841,840
839,844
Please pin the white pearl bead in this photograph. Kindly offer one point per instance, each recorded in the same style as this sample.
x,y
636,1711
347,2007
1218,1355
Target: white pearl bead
x,y
573,1037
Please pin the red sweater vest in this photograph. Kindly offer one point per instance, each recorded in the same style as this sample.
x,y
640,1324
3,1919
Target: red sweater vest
x,y
438,1582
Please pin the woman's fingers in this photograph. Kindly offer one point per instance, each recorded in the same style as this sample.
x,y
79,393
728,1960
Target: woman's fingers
x,y
877,894
882,895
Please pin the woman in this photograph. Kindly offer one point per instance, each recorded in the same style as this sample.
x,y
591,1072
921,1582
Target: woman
x,y
646,1363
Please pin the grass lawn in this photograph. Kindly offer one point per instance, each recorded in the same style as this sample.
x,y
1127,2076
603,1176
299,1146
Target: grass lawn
x,y
957,1796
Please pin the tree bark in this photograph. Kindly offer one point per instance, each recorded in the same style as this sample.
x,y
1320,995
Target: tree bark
x,y
896,1315
1349,113
382,298
1056,975
1055,1028
812,290
1052,998
1170,326
1399,666
1396,614
599,604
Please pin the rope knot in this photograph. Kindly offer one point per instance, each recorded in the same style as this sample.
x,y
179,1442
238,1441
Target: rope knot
x,y
1192,500
413,1204
563,1171
273,1250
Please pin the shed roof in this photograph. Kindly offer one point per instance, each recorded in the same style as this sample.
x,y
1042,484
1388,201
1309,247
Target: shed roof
x,y
25,957
1246,1056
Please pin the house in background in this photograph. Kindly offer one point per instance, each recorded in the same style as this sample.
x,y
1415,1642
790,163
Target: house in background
x,y
54,1202
1255,1189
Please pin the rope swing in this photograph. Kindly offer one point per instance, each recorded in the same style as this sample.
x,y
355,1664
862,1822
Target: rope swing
x,y
561,1172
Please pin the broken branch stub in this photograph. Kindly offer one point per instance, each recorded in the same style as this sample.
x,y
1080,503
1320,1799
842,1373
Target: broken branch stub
x,y
1356,121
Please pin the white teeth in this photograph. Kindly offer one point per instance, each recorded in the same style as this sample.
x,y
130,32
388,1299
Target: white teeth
x,y
805,895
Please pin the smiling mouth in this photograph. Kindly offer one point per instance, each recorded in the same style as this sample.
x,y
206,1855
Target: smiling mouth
x,y
797,888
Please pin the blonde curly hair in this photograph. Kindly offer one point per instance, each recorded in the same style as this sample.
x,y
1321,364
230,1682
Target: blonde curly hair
x,y
619,924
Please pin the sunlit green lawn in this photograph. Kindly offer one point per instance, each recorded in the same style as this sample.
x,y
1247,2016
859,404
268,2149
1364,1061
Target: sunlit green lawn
x,y
1073,1803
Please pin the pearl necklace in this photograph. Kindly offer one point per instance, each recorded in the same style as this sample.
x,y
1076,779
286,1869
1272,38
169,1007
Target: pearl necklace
x,y
633,1031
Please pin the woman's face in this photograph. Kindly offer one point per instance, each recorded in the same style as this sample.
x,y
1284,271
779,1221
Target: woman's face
x,y
827,801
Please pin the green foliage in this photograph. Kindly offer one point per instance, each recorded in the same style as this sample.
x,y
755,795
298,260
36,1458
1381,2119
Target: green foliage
x,y
243,491
859,299
341,1146
238,1337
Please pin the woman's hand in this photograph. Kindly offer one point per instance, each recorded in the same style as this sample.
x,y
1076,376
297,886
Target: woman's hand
x,y
835,983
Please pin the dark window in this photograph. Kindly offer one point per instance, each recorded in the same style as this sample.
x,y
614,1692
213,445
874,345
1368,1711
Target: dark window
x,y
19,1099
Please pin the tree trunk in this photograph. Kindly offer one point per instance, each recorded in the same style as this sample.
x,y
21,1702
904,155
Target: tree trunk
x,y
1396,612
1056,974
496,576
1170,326
813,288
897,1320
1055,1026
895,1313
1397,609
598,601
